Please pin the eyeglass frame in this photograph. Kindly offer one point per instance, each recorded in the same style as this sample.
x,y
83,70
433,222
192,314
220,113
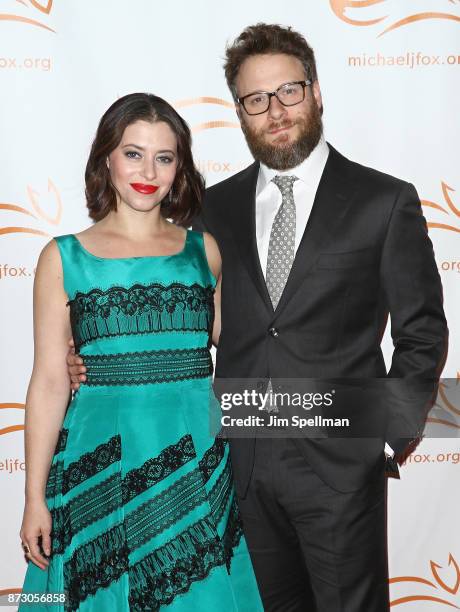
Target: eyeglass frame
x,y
305,83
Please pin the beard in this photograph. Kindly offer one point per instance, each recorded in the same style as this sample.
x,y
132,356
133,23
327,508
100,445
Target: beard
x,y
284,156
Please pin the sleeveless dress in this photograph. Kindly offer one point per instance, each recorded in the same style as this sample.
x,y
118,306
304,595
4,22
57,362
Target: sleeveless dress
x,y
143,507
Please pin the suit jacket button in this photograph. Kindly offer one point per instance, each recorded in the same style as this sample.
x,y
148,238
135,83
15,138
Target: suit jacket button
x,y
273,332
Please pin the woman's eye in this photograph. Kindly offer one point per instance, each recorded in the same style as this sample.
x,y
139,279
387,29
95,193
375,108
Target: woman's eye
x,y
165,159
132,154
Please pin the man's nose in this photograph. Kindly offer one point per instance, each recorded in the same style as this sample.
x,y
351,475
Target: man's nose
x,y
276,110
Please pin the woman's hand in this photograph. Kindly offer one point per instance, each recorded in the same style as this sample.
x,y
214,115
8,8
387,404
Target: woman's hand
x,y
36,524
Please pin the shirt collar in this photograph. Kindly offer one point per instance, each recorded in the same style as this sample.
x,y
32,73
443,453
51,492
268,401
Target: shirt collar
x,y
309,171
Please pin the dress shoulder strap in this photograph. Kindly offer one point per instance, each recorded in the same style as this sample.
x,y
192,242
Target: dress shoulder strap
x,y
70,251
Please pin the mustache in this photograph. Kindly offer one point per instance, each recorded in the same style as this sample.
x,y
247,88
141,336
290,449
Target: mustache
x,y
277,125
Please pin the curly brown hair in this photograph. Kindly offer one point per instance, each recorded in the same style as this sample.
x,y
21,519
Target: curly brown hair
x,y
264,38
183,202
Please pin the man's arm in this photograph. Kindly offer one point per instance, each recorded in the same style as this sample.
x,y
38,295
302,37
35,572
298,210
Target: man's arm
x,y
75,367
413,292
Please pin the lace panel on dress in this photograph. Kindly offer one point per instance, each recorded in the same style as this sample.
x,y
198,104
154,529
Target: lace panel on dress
x,y
148,367
140,309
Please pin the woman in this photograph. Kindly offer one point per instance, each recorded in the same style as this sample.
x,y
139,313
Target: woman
x,y
137,510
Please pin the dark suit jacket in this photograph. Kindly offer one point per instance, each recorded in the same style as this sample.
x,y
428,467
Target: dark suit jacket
x,y
365,253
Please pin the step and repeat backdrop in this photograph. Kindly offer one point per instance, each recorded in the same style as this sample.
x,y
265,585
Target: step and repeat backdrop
x,y
390,77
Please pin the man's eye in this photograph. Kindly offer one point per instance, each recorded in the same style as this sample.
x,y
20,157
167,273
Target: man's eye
x,y
256,100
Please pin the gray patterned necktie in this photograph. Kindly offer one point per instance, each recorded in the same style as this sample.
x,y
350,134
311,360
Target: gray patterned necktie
x,y
281,247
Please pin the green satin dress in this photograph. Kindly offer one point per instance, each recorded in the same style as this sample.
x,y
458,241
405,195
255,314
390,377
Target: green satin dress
x,y
144,512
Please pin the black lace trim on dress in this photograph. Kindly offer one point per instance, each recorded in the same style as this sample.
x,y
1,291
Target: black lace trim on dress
x,y
141,309
54,484
170,570
220,492
159,513
62,441
156,469
148,367
113,492
212,458
148,520
91,463
83,510
95,565
161,575
168,507
110,494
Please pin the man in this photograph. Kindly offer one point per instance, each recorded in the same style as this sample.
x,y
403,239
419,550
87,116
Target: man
x,y
317,251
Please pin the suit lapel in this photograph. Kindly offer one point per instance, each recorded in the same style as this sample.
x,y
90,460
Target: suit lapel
x,y
330,205
243,199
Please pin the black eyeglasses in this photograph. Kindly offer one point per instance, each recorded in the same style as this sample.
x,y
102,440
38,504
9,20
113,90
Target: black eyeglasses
x,y
288,94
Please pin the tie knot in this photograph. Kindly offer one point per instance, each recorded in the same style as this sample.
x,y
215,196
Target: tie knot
x,y
284,183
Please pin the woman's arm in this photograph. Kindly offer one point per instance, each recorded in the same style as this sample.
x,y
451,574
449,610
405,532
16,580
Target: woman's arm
x,y
47,397
215,265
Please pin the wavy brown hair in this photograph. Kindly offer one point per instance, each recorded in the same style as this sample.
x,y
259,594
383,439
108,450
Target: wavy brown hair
x,y
183,202
265,38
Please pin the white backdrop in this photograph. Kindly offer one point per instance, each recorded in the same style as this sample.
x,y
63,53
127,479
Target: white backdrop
x,y
389,72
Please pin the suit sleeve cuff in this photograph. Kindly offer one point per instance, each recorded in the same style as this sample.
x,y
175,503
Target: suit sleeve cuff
x,y
389,452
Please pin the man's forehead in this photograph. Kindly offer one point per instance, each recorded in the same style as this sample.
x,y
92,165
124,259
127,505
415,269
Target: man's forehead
x,y
269,71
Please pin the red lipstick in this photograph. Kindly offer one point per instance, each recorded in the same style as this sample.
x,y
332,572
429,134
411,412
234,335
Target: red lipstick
x,y
145,189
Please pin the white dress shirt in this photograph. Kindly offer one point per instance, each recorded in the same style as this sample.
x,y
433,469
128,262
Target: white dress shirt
x,y
268,201
268,197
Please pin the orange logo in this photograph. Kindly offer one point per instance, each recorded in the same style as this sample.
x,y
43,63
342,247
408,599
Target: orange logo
x,y
33,9
16,426
220,107
361,13
451,209
208,125
37,212
11,591
448,596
